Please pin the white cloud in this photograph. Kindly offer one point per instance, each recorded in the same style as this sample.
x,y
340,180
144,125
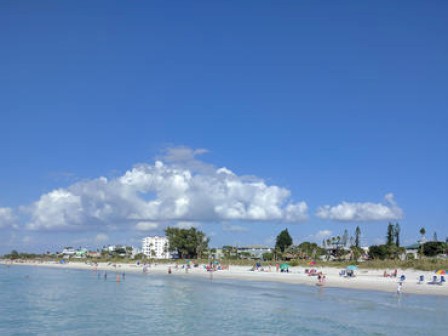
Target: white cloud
x,y
7,218
180,189
146,226
317,237
56,209
27,239
101,237
362,211
233,228
187,225
322,234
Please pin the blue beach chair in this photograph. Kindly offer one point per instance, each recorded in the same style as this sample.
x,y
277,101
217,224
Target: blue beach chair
x,y
434,281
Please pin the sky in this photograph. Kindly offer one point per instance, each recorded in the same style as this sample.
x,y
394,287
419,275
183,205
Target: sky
x,y
119,119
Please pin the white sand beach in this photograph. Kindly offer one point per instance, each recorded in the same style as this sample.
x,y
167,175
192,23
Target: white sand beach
x,y
364,279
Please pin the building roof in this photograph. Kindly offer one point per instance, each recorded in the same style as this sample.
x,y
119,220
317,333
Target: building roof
x,y
254,247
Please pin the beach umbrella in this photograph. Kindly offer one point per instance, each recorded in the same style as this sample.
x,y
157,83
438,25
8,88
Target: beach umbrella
x,y
284,266
441,272
352,267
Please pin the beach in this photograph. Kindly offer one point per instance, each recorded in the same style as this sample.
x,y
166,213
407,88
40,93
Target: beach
x,y
371,280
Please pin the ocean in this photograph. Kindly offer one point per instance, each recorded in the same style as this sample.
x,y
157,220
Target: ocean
x,y
45,301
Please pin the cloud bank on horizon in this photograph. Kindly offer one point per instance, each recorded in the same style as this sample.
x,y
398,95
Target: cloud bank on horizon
x,y
178,188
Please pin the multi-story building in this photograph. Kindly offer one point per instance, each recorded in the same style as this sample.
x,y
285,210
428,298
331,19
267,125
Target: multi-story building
x,y
156,247
254,251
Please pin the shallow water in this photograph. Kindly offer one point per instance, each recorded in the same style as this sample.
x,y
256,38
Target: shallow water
x,y
40,301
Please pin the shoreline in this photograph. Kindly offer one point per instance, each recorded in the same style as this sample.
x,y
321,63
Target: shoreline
x,y
369,280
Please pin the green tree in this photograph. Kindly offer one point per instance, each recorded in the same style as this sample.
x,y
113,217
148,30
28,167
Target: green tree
x,y
283,241
309,250
14,254
433,248
390,234
268,256
397,234
188,243
423,232
378,252
356,252
422,240
357,237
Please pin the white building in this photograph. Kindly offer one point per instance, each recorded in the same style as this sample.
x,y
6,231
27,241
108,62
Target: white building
x,y
156,247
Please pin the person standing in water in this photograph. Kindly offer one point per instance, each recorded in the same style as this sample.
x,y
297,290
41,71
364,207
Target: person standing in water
x,y
399,287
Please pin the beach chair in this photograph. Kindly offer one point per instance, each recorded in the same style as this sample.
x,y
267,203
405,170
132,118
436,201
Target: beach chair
x,y
342,273
421,279
442,280
433,281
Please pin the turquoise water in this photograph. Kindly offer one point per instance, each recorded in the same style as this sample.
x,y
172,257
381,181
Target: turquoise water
x,y
40,301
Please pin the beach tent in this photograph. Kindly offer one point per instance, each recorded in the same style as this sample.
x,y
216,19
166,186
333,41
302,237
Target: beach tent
x,y
284,266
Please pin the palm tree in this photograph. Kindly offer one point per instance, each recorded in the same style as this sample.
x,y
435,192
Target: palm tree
x,y
422,232
422,240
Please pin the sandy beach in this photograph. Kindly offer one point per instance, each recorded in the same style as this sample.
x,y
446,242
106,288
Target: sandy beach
x,y
364,279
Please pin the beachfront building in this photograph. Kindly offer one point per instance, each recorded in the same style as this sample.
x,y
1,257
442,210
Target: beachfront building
x,y
156,247
254,251
68,252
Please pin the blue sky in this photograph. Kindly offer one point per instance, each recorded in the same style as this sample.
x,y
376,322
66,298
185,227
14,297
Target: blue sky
x,y
117,116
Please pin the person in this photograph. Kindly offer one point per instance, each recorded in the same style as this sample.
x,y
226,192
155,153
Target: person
x,y
169,270
399,287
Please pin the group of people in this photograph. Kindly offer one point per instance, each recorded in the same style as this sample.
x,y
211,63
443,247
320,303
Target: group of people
x,y
392,275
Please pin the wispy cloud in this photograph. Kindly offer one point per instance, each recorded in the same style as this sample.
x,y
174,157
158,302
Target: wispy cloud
x,y
347,212
233,228
178,187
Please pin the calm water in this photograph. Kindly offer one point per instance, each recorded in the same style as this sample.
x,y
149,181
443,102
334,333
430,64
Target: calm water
x,y
39,301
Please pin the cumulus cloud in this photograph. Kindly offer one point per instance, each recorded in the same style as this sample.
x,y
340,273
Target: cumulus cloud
x,y
362,211
146,226
178,187
7,218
